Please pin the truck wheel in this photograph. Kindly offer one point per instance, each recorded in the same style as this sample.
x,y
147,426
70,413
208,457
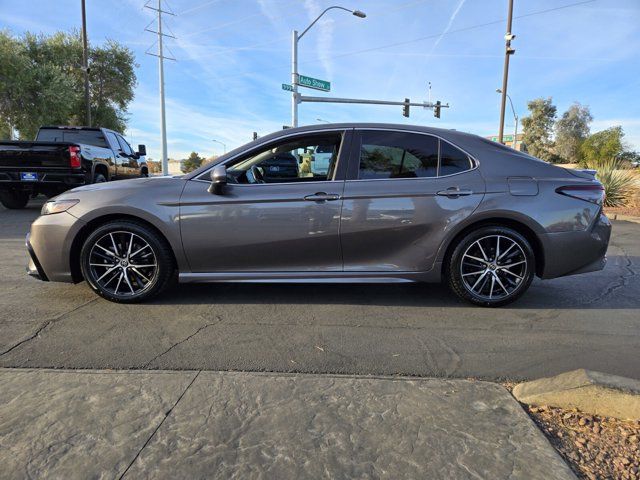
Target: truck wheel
x,y
99,178
14,199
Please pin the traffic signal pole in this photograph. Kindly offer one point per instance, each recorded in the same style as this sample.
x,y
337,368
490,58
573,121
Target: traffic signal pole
x,y
294,78
406,104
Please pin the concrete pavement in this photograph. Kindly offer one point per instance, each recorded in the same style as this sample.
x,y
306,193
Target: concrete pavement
x,y
133,424
587,321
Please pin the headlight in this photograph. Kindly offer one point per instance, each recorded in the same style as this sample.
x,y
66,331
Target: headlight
x,y
57,206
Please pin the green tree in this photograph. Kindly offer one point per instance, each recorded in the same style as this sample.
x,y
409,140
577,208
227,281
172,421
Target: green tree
x,y
603,147
538,128
192,162
41,82
571,131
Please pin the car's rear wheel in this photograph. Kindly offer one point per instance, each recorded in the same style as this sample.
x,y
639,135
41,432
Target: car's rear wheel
x,y
127,262
14,199
491,266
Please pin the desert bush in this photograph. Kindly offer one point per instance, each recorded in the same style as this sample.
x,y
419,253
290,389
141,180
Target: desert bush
x,y
620,186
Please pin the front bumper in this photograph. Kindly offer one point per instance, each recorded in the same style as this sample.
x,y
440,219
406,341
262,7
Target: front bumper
x,y
49,244
34,269
570,253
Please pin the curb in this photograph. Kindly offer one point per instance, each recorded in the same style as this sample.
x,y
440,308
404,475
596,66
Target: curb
x,y
590,392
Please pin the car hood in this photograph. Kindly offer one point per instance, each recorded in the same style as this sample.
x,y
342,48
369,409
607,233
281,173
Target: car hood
x,y
125,184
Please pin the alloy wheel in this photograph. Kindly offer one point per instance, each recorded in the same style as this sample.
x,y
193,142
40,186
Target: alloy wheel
x,y
493,267
123,264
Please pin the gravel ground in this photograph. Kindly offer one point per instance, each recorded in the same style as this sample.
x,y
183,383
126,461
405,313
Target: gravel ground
x,y
595,447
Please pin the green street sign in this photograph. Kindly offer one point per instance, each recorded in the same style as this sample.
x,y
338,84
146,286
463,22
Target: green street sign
x,y
505,138
314,83
286,86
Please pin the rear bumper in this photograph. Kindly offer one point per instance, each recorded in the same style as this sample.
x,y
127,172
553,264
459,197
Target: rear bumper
x,y
49,244
570,253
61,180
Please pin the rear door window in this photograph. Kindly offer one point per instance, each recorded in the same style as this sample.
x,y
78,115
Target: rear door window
x,y
397,155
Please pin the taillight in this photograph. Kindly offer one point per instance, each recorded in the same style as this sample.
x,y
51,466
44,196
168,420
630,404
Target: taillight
x,y
74,157
593,193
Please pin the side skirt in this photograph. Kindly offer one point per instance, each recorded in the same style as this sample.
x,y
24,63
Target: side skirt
x,y
311,277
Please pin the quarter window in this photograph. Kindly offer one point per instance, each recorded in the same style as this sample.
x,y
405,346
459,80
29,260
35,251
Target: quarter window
x,y
397,155
452,160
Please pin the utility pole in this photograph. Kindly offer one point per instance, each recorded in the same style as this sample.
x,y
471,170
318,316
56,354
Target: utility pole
x,y
505,75
85,65
161,57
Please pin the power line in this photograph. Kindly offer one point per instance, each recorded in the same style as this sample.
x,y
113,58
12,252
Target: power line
x,y
418,39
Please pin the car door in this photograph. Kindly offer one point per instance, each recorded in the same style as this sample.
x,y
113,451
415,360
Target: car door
x,y
287,222
129,162
116,168
404,191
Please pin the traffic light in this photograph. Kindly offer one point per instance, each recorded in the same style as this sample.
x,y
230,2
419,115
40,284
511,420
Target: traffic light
x,y
405,108
436,109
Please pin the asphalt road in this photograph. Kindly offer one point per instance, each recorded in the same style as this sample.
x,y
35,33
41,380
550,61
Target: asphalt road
x,y
586,321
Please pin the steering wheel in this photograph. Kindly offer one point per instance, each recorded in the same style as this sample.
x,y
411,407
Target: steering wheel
x,y
256,173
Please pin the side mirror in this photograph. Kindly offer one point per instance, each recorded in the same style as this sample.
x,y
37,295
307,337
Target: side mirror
x,y
142,150
218,180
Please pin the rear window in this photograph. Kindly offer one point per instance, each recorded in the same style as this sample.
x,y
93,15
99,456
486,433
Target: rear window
x,y
88,137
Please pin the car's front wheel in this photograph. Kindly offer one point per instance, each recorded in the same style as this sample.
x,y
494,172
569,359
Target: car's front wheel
x,y
491,266
127,262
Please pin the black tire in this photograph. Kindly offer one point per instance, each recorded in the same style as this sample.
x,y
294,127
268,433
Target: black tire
x,y
99,178
14,199
125,238
144,173
509,276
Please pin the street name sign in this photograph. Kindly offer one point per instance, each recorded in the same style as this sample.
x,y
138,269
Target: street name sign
x,y
314,83
286,86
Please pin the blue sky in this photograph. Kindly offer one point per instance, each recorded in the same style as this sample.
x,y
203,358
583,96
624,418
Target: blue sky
x,y
233,56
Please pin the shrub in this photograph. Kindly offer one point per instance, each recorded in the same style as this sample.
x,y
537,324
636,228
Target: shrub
x,y
620,186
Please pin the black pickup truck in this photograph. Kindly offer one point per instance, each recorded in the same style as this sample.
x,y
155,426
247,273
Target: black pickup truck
x,y
62,158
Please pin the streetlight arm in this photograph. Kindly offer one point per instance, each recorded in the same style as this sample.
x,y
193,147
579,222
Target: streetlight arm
x,y
318,18
512,109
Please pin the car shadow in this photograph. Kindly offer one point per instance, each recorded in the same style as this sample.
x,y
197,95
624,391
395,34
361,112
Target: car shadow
x,y
586,291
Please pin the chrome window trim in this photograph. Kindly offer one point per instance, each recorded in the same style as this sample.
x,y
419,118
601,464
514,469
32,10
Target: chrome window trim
x,y
308,132
472,159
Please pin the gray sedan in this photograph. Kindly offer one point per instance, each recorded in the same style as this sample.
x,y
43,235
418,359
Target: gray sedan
x,y
384,203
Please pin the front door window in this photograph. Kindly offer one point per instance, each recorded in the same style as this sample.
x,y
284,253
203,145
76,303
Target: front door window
x,y
307,159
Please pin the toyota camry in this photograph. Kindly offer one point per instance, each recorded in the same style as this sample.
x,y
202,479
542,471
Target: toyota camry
x,y
363,203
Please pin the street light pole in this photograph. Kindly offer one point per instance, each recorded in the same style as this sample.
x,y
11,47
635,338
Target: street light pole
x,y
295,38
505,75
224,145
85,65
515,117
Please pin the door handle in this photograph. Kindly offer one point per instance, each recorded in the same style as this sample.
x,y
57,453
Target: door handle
x,y
322,197
454,192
